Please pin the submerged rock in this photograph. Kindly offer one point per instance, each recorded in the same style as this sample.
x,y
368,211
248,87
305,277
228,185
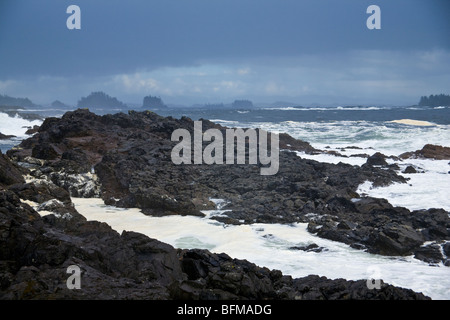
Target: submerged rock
x,y
309,248
410,169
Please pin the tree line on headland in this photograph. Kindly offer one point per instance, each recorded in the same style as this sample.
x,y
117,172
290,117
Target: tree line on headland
x,y
435,100
102,100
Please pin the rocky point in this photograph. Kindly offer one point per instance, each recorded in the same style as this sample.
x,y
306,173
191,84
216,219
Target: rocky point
x,y
125,159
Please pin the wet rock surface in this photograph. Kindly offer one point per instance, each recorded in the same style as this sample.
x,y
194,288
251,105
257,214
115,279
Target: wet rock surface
x,y
429,151
125,159
6,136
36,252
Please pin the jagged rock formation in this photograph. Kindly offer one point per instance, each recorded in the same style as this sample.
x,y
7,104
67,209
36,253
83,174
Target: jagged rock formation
x,y
130,157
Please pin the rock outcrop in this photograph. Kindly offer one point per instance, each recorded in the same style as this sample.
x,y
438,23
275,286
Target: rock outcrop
x,y
36,253
6,136
130,156
429,151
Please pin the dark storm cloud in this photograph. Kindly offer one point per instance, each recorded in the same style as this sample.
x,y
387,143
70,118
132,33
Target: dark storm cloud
x,y
125,36
222,48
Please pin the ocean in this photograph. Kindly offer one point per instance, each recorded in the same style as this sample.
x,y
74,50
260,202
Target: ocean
x,y
347,130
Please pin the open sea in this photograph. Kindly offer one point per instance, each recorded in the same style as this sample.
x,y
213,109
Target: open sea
x,y
348,130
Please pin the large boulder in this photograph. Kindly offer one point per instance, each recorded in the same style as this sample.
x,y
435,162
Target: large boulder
x,y
10,173
429,151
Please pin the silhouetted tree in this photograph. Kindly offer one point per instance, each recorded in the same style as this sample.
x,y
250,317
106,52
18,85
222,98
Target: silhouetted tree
x,y
435,100
153,102
100,100
242,104
8,101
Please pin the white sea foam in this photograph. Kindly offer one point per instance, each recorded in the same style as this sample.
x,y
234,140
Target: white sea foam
x,y
268,245
429,188
386,137
16,125
225,122
340,108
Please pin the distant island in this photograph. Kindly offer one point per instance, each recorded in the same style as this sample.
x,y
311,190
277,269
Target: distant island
x,y
59,104
7,101
435,100
152,102
17,106
100,100
242,104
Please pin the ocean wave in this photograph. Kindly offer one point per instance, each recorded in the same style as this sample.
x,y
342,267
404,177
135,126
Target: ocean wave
x,y
428,189
260,243
326,108
412,122
225,122
359,108
383,136
16,126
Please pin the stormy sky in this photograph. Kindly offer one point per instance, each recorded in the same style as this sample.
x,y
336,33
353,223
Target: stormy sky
x,y
210,51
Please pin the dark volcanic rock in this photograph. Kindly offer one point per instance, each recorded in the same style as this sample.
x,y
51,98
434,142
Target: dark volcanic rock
x,y
319,288
395,239
5,136
32,130
289,143
130,154
410,169
10,173
44,193
377,159
309,248
429,151
35,254
429,253
378,227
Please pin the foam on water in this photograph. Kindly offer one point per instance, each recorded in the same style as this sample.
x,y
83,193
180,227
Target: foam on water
x,y
340,108
16,126
429,188
387,137
329,158
424,190
269,245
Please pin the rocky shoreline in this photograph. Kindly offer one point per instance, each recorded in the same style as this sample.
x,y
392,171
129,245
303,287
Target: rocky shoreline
x,y
125,160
